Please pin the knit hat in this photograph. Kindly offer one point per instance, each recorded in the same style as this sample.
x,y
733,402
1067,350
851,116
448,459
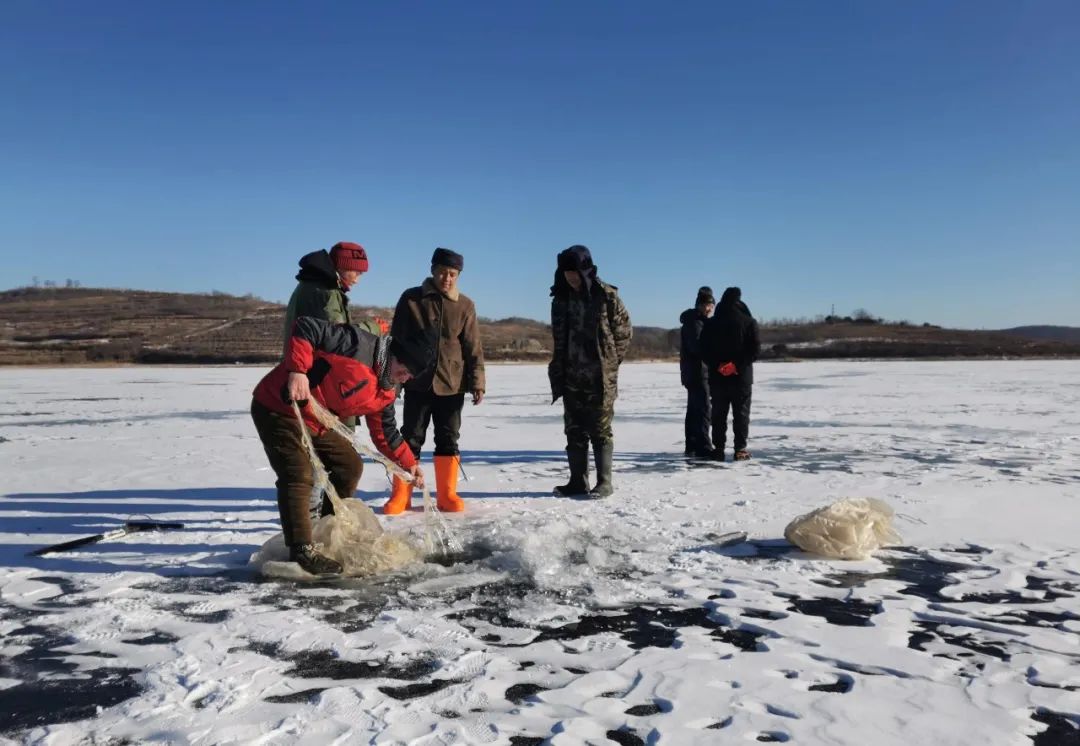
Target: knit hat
x,y
448,258
349,256
417,353
704,295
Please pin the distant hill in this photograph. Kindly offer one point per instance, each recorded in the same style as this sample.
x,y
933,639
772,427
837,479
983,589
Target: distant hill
x,y
80,325
875,339
92,325
1056,333
70,326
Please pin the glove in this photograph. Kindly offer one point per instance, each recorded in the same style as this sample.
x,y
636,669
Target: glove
x,y
728,369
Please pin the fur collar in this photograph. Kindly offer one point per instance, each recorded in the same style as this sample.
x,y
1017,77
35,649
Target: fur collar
x,y
429,288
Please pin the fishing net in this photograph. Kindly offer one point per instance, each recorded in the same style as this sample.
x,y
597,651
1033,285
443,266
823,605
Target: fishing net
x,y
353,535
848,529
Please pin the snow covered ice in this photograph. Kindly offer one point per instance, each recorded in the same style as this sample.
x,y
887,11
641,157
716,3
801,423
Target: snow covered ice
x,y
562,621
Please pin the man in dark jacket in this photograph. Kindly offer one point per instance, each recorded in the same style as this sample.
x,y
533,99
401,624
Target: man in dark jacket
x,y
438,308
591,332
695,375
730,344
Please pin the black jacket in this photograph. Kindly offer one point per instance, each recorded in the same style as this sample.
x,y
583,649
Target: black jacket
x,y
731,335
691,367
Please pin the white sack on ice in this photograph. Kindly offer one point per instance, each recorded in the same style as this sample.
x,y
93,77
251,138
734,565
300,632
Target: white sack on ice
x,y
848,529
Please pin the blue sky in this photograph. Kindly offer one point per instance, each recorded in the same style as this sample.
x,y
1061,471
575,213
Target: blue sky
x,y
918,159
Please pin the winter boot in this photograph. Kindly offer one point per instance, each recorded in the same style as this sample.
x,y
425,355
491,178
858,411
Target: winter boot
x,y
578,458
742,455
603,455
312,561
400,497
446,474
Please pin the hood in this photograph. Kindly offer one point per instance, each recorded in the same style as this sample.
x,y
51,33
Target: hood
x,y
578,259
731,303
730,298
318,267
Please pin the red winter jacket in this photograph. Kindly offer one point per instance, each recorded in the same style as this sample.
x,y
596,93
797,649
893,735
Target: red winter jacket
x,y
340,363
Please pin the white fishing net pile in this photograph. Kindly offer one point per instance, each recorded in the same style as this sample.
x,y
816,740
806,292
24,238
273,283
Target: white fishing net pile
x,y
353,535
848,529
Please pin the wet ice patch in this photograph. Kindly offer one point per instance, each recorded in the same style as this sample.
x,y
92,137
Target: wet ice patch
x,y
571,555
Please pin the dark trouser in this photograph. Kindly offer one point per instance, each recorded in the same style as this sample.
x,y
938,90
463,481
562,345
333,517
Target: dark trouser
x,y
733,395
587,418
698,418
421,407
280,436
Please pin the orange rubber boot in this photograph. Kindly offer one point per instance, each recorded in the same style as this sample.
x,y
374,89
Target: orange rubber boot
x,y
446,473
400,498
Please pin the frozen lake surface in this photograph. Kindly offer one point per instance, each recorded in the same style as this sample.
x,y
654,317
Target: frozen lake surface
x,y
564,622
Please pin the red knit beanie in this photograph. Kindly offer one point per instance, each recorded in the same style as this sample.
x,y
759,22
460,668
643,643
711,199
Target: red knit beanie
x,y
349,256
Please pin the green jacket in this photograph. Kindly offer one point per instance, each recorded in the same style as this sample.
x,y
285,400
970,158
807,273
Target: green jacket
x,y
319,294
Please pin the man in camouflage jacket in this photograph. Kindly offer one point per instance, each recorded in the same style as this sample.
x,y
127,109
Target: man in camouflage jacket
x,y
591,332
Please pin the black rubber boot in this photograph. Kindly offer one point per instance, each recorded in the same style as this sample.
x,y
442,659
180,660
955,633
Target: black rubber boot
x,y
603,455
718,453
578,458
312,561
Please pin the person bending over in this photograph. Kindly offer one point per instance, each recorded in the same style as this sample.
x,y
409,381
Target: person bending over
x,y
351,372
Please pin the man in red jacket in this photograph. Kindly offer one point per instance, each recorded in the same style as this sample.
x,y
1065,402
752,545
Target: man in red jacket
x,y
351,372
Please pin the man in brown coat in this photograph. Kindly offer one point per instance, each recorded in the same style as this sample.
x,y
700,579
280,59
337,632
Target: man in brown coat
x,y
438,307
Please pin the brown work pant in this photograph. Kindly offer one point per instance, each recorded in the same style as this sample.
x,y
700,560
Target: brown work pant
x,y
280,436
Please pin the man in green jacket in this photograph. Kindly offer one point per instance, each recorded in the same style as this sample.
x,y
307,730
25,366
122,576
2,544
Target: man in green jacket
x,y
322,283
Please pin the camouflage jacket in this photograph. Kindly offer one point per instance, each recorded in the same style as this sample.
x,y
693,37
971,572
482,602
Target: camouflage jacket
x,y
590,337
